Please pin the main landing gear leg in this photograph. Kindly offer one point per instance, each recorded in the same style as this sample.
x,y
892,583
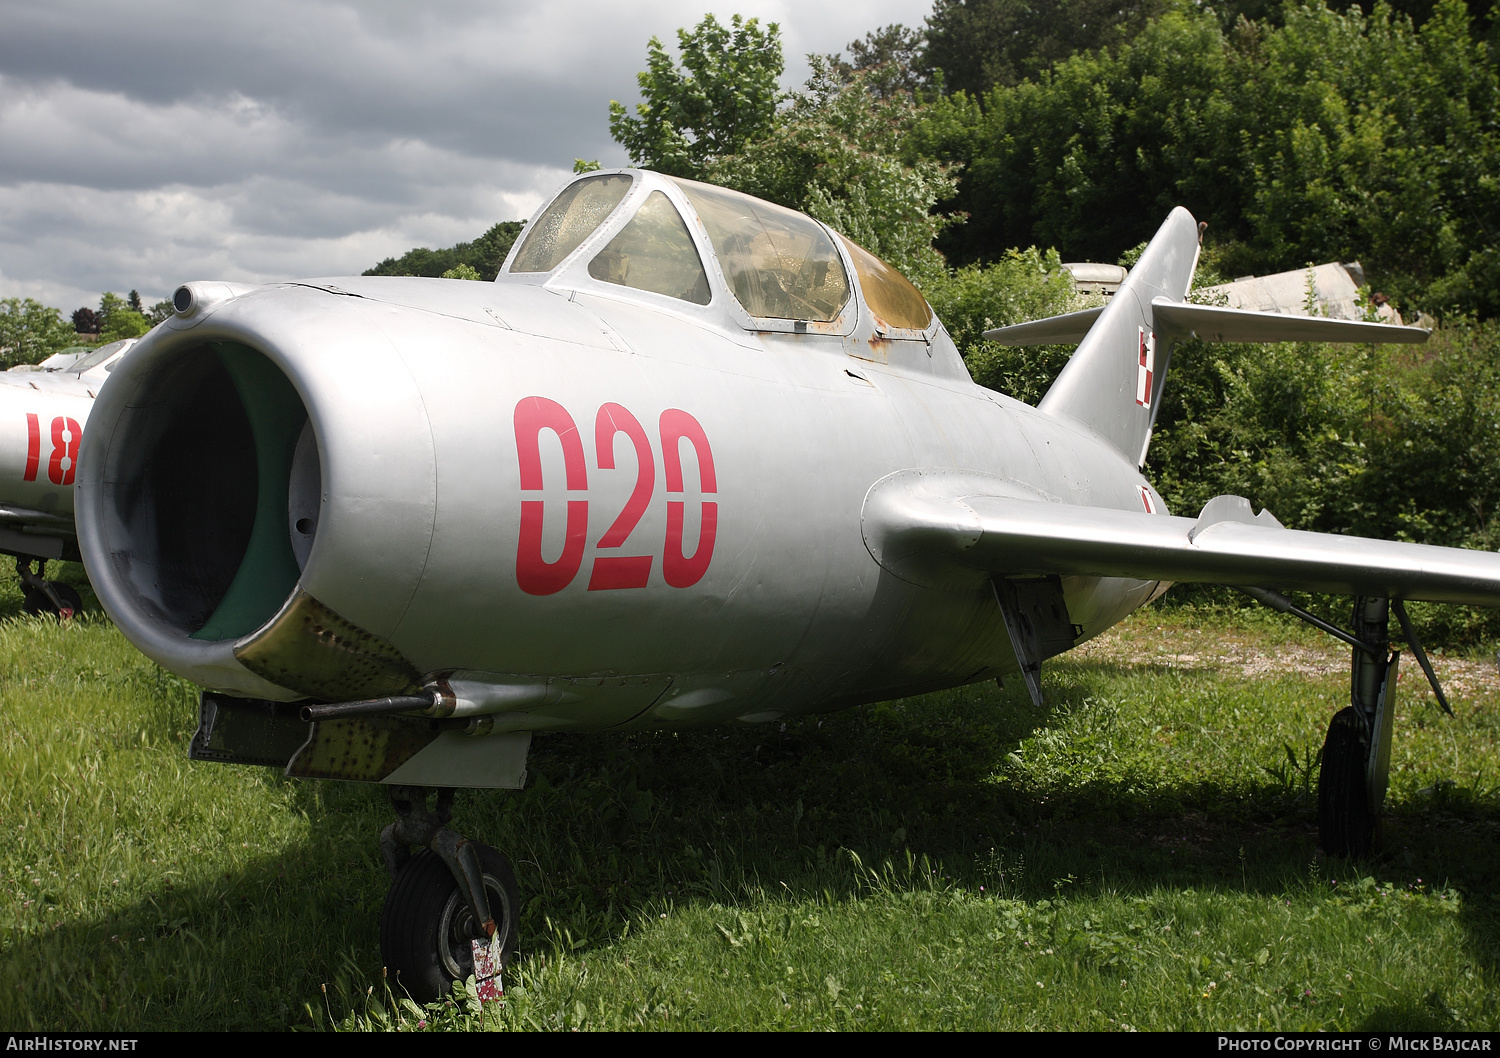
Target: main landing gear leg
x,y
452,892
40,595
1357,751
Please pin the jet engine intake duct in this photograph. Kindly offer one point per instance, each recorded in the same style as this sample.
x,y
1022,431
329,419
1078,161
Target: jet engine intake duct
x,y
188,506
268,569
204,511
189,532
257,495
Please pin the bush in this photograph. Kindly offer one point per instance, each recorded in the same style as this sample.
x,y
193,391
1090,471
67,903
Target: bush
x,y
1023,285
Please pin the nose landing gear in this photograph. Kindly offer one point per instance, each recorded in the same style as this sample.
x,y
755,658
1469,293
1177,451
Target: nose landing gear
x,y
452,892
41,596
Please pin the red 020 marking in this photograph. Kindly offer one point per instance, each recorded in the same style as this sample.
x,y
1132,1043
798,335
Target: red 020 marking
x,y
535,575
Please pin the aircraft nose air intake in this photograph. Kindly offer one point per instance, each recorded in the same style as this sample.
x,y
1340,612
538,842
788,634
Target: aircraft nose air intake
x,y
221,538
200,460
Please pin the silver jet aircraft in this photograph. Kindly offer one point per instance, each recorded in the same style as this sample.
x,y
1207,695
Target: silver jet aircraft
x,y
692,458
43,409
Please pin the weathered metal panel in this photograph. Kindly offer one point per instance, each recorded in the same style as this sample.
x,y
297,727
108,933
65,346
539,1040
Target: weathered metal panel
x,y
309,648
365,749
246,731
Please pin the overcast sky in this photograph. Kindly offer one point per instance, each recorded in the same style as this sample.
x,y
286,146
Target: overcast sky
x,y
149,143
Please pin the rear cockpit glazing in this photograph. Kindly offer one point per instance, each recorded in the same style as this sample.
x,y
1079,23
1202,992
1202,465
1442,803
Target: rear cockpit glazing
x,y
779,263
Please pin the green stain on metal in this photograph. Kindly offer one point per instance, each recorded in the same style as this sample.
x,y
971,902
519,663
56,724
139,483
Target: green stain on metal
x,y
268,573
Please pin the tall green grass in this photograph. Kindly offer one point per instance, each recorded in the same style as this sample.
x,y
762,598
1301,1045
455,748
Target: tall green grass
x,y
1141,852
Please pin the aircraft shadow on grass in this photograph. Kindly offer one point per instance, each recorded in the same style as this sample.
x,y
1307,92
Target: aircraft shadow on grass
x,y
613,830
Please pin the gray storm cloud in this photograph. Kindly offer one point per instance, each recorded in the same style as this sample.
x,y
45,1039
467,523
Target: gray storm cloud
x,y
144,145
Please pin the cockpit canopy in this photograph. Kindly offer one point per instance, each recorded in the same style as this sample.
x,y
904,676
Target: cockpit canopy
x,y
778,264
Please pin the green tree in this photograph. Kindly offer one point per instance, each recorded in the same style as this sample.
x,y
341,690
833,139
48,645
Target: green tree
x,y
1384,145
30,332
722,97
1331,136
982,43
1093,154
890,57
118,320
484,255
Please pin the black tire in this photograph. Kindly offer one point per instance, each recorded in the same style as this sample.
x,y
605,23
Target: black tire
x,y
426,926
1346,825
34,601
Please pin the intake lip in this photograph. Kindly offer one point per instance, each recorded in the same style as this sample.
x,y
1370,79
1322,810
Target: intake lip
x,y
183,488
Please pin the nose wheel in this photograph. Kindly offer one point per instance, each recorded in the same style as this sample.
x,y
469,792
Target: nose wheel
x,y
427,928
448,895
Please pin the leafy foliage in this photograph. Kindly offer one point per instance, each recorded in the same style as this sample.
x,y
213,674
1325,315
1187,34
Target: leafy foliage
x,y
891,59
117,319
1023,285
484,256
978,44
1330,137
839,151
722,98
30,332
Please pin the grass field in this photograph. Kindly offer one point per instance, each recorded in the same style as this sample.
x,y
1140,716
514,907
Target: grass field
x,y
1141,853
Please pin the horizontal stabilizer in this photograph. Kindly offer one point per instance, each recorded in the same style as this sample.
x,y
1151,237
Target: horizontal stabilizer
x,y
1054,330
1213,323
916,523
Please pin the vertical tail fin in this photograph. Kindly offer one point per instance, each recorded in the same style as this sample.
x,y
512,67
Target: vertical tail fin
x,y
1113,383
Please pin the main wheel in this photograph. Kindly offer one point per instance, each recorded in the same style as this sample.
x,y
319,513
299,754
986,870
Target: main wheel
x,y
34,601
1346,823
426,925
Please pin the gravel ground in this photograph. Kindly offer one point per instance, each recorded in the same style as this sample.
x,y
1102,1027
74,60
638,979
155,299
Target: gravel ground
x,y
1139,643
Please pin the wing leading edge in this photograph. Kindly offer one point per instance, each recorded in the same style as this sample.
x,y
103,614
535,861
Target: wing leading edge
x,y
919,529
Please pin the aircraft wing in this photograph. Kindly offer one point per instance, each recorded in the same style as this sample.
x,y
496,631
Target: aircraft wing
x,y
915,524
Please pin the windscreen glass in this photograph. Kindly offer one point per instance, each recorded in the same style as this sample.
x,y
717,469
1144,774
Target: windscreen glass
x,y
779,263
98,356
570,219
654,252
890,295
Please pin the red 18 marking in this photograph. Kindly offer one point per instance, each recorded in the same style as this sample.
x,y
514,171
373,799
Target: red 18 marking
x,y
66,435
